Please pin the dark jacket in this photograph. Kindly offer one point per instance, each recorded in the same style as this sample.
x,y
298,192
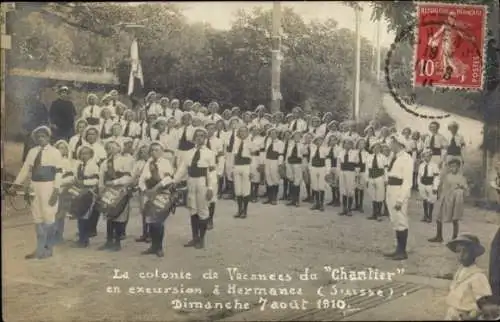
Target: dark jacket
x,y
62,115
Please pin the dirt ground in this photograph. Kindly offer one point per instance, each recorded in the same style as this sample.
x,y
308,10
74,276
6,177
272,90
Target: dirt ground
x,y
78,284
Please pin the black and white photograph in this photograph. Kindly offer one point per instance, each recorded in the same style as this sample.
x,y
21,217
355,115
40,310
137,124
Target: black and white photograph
x,y
250,161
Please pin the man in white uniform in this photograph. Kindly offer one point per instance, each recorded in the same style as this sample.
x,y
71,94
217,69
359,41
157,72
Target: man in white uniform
x,y
399,183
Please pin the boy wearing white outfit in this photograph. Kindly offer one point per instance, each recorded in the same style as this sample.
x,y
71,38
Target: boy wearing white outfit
x,y
197,165
44,164
258,144
428,183
273,160
230,138
376,170
294,167
242,170
319,166
216,145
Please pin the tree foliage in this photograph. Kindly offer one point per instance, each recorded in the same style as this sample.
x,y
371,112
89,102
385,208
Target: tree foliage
x,y
194,60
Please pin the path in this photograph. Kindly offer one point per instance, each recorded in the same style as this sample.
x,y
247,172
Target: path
x,y
73,283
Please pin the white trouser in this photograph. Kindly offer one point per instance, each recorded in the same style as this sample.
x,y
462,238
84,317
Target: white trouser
x,y
426,193
318,174
295,173
399,218
196,199
376,188
229,157
42,212
347,183
254,170
215,188
242,180
221,162
272,173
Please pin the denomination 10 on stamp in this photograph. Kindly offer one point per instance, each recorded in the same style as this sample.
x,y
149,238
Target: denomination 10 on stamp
x,y
449,51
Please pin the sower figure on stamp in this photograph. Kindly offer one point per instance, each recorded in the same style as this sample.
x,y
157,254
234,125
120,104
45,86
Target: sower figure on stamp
x,y
217,146
376,167
155,177
115,173
242,170
399,182
43,162
294,167
428,183
197,165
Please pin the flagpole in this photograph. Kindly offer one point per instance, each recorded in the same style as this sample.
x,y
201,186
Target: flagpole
x,y
135,63
276,57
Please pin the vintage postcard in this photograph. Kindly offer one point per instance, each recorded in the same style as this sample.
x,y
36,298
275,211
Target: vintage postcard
x,y
250,161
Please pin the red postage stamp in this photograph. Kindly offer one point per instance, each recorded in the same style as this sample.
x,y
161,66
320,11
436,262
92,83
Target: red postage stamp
x,y
449,47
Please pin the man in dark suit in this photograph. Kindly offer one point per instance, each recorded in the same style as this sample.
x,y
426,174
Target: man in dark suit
x,y
62,116
35,115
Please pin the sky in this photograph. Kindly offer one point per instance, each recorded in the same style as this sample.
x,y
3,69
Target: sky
x,y
220,14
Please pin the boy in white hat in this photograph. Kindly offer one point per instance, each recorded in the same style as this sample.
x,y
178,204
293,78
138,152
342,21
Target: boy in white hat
x,y
43,162
242,170
319,166
399,183
273,157
294,168
348,161
428,183
196,166
85,176
256,178
116,172
376,170
229,139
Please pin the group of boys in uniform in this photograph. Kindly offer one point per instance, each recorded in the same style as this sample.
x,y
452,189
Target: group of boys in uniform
x,y
167,144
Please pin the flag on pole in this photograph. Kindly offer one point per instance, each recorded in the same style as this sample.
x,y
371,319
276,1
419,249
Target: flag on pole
x,y
136,79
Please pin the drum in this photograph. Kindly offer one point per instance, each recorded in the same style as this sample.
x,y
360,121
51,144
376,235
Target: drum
x,y
113,201
64,204
82,202
161,206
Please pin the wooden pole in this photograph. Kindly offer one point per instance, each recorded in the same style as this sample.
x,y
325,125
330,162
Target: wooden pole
x,y
5,45
357,64
276,56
